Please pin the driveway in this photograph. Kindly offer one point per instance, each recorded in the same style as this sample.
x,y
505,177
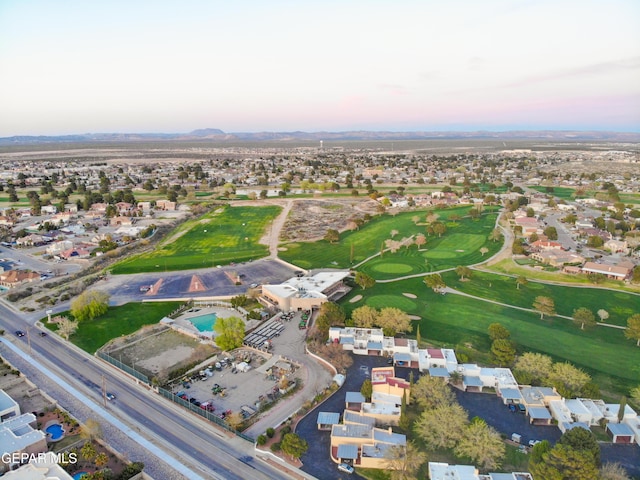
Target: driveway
x,y
317,461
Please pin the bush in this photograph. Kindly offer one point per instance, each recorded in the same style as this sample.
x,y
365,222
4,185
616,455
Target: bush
x,y
286,429
270,432
261,440
275,447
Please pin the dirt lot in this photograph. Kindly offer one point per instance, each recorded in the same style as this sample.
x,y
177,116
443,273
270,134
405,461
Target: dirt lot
x,y
310,219
158,350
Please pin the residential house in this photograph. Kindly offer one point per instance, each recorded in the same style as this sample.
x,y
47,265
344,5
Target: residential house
x,y
31,240
444,471
536,401
165,205
15,278
8,407
43,467
363,445
609,271
17,436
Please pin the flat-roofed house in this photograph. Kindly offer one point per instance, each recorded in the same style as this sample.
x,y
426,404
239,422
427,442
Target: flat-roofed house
x,y
304,293
609,271
17,436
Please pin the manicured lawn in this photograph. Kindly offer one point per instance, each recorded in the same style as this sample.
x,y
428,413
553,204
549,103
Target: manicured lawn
x,y
458,246
454,320
122,320
229,234
502,288
565,193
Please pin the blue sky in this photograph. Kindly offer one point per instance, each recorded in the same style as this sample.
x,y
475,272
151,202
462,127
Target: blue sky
x,y
143,66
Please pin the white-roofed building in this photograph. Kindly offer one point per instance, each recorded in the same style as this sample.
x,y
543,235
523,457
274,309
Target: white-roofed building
x,y
305,293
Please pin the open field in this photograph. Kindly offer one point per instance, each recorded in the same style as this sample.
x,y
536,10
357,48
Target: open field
x,y
118,321
229,234
452,320
459,246
565,193
501,288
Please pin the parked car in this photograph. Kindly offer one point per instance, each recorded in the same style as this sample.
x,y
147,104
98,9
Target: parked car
x,y
513,408
20,333
343,467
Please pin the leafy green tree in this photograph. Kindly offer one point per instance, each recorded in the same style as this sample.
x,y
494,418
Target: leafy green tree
x,y
495,235
89,305
332,236
239,301
583,316
633,328
463,271
582,439
230,332
595,241
364,281
430,392
621,408
532,368
88,451
544,306
442,426
521,280
551,233
567,379
393,320
365,317
439,228
366,389
293,445
482,444
101,460
503,352
434,282
330,315
563,463
497,331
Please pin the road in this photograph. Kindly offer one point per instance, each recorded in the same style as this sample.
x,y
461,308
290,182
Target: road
x,y
185,439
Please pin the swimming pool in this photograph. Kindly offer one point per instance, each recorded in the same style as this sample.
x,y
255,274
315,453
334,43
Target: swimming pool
x,y
79,475
204,323
55,431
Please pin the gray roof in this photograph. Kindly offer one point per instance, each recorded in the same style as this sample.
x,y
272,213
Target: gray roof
x,y
354,397
348,451
620,429
401,357
539,413
511,393
328,418
439,372
472,381
374,345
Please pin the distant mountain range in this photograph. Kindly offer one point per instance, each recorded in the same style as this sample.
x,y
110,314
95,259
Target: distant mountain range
x,y
215,135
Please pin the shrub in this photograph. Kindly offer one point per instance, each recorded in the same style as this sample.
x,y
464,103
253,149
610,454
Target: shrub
x,y
275,447
270,432
261,440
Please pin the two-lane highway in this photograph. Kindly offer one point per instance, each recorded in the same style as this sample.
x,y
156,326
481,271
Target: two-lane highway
x,y
185,438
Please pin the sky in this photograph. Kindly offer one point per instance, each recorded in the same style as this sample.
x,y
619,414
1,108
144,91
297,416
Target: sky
x,y
248,66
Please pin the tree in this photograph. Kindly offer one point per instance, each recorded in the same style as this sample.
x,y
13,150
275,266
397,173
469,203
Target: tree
x,y
495,235
567,379
393,233
583,316
293,445
633,328
532,368
621,408
332,236
613,471
89,305
551,233
503,352
366,389
463,271
330,314
404,461
544,306
603,314
66,327
234,420
230,332
482,444
439,228
521,280
364,280
101,460
422,240
595,241
393,320
430,392
483,250
498,331
434,282
365,317
88,451
635,395
583,440
441,427
336,356
563,462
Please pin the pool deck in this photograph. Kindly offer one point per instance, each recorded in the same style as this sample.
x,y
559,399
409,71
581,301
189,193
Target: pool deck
x,y
183,322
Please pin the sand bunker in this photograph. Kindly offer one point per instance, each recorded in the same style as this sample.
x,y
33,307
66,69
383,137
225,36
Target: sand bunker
x,y
355,299
409,295
414,317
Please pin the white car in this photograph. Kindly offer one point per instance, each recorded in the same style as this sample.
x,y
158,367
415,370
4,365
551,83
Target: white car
x,y
343,467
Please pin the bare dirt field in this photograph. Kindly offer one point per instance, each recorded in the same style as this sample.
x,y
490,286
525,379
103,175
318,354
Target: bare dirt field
x,y
310,219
